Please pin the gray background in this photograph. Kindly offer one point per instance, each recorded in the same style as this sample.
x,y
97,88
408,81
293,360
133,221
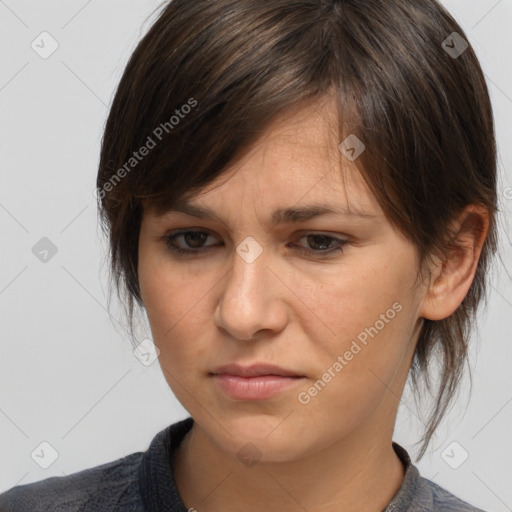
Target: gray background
x,y
68,375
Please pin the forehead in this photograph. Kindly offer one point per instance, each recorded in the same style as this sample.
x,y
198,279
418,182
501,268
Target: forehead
x,y
296,161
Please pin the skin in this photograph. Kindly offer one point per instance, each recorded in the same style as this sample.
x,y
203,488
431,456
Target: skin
x,y
297,311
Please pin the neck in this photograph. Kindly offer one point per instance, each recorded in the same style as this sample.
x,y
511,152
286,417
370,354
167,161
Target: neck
x,y
360,472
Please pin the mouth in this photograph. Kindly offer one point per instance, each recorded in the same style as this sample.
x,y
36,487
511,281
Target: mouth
x,y
255,370
256,382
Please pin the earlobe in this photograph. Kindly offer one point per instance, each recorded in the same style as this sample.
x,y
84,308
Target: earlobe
x,y
451,279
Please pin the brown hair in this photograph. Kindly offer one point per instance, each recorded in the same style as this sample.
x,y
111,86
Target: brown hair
x,y
210,75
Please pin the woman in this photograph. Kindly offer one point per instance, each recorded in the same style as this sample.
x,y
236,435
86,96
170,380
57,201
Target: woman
x,y
301,196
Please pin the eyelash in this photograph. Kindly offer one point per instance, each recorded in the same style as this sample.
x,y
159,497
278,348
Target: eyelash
x,y
169,239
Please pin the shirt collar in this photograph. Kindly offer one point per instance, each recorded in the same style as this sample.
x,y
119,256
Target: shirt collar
x,y
406,494
157,485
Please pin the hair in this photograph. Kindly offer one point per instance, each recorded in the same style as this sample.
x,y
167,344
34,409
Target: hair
x,y
210,75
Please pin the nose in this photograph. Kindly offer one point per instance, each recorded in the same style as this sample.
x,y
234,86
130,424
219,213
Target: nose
x,y
252,300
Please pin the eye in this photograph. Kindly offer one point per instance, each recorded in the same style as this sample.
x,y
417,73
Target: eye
x,y
321,243
320,240
195,238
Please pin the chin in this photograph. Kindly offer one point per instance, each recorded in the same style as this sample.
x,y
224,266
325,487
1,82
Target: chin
x,y
258,437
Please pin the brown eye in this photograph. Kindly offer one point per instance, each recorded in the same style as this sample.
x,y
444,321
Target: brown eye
x,y
321,244
194,240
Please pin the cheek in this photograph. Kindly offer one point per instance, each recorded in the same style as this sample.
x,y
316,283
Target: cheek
x,y
175,304
360,370
367,319
165,288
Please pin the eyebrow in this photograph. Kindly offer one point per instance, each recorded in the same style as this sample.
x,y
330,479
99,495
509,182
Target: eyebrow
x,y
279,216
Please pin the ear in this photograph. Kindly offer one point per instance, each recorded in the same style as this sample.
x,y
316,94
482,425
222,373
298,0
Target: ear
x,y
451,279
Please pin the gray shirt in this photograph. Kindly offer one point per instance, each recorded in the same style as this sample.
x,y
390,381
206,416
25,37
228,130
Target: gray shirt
x,y
144,482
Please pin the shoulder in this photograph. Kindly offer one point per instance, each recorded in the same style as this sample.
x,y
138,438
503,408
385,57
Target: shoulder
x,y
444,501
110,486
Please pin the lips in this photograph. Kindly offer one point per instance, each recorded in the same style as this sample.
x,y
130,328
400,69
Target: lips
x,y
255,370
255,382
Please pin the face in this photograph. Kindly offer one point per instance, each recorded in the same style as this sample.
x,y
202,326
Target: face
x,y
333,299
